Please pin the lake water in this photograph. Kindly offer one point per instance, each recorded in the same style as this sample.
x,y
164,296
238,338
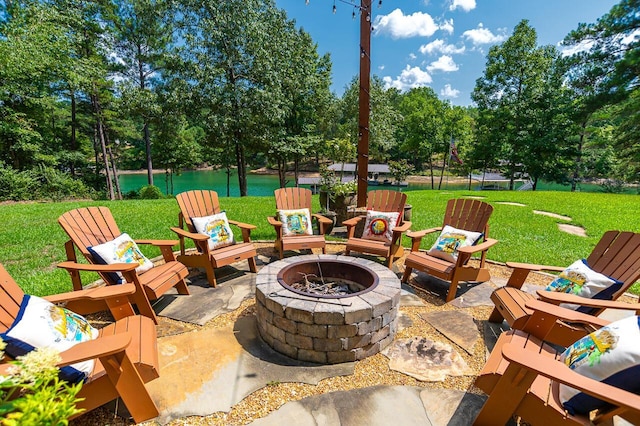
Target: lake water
x,y
264,185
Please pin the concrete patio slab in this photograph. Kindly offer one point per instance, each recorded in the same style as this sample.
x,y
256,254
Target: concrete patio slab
x,y
379,406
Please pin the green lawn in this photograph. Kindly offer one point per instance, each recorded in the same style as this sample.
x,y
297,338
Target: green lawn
x,y
32,242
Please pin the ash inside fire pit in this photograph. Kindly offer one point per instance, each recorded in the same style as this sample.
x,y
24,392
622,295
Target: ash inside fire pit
x,y
328,279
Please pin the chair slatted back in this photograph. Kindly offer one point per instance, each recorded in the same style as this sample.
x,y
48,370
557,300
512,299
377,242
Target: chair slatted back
x,y
89,226
468,214
197,203
617,255
11,296
385,200
293,198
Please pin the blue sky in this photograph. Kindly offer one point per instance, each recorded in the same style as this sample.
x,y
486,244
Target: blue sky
x,y
437,43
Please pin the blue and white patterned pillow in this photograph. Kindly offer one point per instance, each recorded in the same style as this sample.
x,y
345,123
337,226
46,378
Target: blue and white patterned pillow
x,y
41,324
610,355
120,250
450,241
579,279
216,227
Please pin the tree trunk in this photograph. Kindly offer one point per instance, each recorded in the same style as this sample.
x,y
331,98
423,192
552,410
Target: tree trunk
x,y
282,164
103,144
147,145
115,173
74,126
242,166
576,170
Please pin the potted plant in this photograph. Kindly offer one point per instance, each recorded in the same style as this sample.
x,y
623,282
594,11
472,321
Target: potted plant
x,y
336,195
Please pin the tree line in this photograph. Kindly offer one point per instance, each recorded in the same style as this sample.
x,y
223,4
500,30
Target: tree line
x,y
90,87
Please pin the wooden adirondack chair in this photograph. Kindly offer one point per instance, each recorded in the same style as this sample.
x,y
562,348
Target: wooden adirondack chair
x,y
297,198
382,201
91,226
466,214
521,378
126,351
205,203
617,255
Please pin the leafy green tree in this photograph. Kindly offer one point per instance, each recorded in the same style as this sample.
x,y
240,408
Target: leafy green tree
x,y
422,129
142,35
509,96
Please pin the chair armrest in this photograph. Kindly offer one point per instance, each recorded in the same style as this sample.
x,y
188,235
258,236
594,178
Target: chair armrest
x,y
402,228
521,272
551,313
323,222
556,298
559,372
94,294
92,349
114,267
489,242
273,221
193,235
534,268
419,234
158,243
353,221
242,225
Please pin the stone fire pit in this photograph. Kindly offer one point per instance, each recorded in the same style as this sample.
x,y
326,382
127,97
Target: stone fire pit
x,y
327,330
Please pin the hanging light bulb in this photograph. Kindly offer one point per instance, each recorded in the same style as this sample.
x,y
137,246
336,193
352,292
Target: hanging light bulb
x,y
306,2
379,3
353,15
334,8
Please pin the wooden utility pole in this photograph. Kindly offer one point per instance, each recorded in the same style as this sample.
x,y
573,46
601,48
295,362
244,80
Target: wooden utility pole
x,y
363,106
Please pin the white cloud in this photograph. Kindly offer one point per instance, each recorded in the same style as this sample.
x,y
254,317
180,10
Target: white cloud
x,y
444,63
448,92
447,26
438,46
408,79
399,25
412,56
482,35
381,67
465,5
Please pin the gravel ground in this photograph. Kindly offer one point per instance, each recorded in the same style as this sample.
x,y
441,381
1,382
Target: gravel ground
x,y
371,371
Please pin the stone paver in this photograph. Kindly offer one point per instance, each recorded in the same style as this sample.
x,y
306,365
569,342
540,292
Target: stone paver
x,y
379,406
459,327
211,370
425,359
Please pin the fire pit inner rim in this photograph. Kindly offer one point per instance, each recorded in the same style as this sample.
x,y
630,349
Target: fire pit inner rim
x,y
370,277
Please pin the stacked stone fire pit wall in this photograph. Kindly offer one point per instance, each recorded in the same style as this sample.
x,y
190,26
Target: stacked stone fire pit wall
x,y
327,331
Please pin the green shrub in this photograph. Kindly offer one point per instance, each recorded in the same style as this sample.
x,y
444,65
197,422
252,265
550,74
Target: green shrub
x,y
17,186
151,192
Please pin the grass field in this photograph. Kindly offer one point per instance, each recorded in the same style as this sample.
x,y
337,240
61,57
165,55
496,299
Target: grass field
x,y
32,242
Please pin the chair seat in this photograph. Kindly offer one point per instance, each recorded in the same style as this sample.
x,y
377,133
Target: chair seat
x,y
510,302
157,280
142,351
379,248
432,265
302,242
233,253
